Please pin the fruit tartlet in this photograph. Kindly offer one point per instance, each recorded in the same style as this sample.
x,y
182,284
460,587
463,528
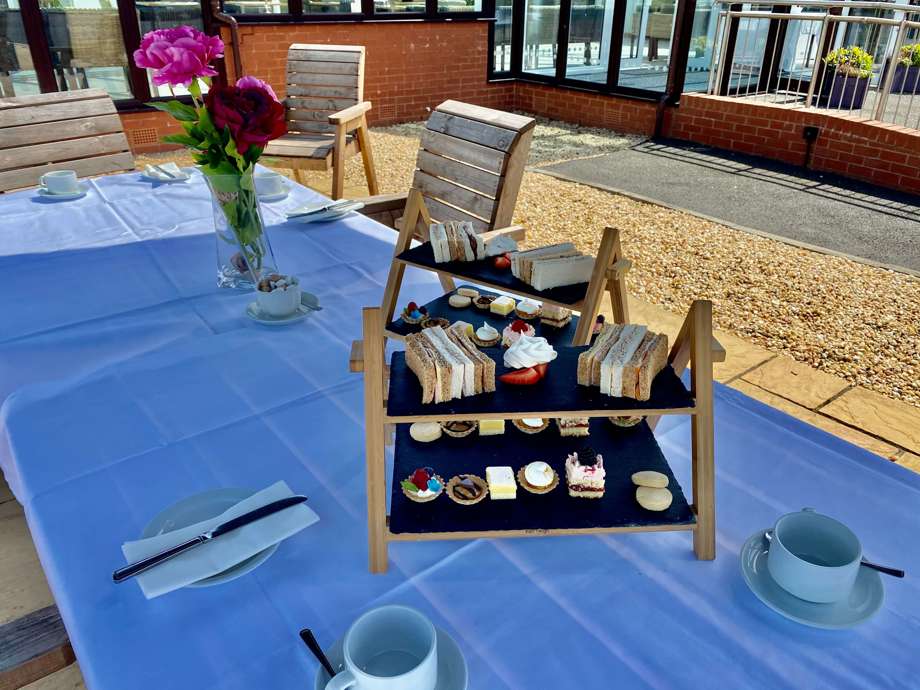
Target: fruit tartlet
x,y
423,485
515,330
414,314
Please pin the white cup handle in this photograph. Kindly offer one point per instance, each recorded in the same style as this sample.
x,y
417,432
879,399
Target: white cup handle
x,y
342,680
41,180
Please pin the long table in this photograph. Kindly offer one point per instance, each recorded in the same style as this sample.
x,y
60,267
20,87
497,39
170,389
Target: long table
x,y
129,382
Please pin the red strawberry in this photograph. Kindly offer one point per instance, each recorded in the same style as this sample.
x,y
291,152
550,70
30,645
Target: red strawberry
x,y
521,377
420,479
411,307
541,369
519,326
502,262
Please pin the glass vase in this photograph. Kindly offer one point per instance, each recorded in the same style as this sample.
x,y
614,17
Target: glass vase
x,y
244,253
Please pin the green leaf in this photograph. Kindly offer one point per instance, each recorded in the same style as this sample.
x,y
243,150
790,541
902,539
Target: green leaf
x,y
409,486
180,111
195,88
182,139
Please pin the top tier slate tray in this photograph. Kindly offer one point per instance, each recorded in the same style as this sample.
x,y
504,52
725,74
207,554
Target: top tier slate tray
x,y
484,273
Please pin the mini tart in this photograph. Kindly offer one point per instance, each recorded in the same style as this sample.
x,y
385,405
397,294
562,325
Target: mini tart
x,y
413,496
459,429
521,477
408,319
432,321
478,481
520,426
484,301
527,316
625,422
468,292
487,343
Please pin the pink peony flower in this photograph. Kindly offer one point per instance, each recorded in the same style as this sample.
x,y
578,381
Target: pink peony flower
x,y
178,55
251,111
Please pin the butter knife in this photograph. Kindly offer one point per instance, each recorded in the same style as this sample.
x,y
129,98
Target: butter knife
x,y
145,564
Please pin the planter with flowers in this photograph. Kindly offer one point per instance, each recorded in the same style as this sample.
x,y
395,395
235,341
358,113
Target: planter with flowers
x,y
226,130
846,78
907,70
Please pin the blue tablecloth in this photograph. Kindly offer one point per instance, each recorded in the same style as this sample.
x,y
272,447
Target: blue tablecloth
x,y
131,382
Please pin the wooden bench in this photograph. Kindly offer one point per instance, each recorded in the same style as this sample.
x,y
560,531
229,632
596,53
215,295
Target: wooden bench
x,y
33,647
73,130
326,114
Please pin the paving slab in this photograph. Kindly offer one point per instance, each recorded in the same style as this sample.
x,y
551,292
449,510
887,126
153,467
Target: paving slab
x,y
892,420
796,381
814,209
873,445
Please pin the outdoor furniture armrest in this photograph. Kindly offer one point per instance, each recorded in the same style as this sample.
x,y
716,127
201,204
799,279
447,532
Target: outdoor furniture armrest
x,y
515,232
718,351
619,269
350,117
383,202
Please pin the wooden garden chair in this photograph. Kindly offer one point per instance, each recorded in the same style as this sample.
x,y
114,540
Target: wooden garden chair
x,y
469,167
73,130
326,114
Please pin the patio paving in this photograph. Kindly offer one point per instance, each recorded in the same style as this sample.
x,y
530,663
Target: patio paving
x,y
813,209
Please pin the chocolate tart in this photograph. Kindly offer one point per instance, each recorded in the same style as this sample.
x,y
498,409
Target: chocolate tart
x,y
459,429
625,422
484,301
433,321
412,496
522,480
478,481
520,426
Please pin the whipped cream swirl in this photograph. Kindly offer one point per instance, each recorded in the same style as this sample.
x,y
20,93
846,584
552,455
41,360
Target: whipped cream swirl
x,y
486,332
528,351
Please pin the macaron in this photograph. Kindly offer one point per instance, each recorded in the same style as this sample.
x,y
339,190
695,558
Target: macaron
x,y
651,479
653,499
425,432
468,292
459,301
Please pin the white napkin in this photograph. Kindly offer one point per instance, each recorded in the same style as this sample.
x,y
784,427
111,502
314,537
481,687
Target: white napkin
x,y
223,552
170,167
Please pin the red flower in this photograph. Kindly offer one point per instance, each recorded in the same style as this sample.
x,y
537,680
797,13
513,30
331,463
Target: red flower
x,y
251,111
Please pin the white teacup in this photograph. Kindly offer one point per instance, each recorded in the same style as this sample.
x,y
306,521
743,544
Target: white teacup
x,y
269,183
60,182
282,301
389,648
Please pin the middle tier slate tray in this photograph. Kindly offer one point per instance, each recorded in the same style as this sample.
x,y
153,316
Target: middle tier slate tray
x,y
441,307
485,273
559,392
624,450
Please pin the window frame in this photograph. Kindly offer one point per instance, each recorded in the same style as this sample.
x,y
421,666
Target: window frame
x,y
296,15
40,51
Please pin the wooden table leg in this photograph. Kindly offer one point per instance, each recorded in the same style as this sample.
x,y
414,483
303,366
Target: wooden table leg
x,y
374,436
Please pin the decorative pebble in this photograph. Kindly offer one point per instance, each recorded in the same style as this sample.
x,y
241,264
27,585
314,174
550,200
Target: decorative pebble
x,y
654,480
653,499
425,431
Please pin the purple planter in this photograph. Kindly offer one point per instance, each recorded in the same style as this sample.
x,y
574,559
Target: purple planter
x,y
841,91
906,79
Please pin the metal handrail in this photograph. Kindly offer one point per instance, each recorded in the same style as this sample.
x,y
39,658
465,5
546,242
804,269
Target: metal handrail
x,y
835,4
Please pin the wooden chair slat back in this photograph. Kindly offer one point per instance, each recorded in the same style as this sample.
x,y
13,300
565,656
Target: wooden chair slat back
x,y
471,162
73,130
322,80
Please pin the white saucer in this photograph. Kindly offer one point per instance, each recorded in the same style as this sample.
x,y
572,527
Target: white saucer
x,y
69,196
314,214
865,599
201,507
452,673
184,177
256,314
279,196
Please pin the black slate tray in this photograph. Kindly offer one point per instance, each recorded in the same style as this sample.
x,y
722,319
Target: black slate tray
x,y
475,316
485,272
624,450
557,392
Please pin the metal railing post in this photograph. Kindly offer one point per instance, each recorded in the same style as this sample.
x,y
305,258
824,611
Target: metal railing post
x,y
884,89
819,62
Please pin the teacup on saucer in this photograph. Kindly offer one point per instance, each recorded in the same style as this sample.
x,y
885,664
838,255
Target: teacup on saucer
x,y
278,295
60,182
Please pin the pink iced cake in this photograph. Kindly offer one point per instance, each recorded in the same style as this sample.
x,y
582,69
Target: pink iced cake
x,y
515,330
584,474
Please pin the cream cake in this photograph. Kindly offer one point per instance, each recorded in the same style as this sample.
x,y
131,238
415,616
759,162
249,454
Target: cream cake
x,y
573,426
555,316
501,483
584,474
448,365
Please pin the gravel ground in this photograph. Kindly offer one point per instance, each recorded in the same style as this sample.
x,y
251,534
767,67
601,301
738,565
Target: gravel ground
x,y
855,321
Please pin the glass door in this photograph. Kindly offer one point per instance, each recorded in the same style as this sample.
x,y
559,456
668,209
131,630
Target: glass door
x,y
590,28
17,73
646,51
541,30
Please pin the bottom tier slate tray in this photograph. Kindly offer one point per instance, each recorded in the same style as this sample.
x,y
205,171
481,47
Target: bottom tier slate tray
x,y
624,450
441,307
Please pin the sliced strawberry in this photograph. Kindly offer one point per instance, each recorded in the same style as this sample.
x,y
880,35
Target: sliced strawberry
x,y
521,377
541,369
519,326
502,263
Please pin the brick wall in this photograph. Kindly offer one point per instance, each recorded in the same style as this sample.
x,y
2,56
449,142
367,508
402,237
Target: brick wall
x,y
584,108
867,150
144,131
